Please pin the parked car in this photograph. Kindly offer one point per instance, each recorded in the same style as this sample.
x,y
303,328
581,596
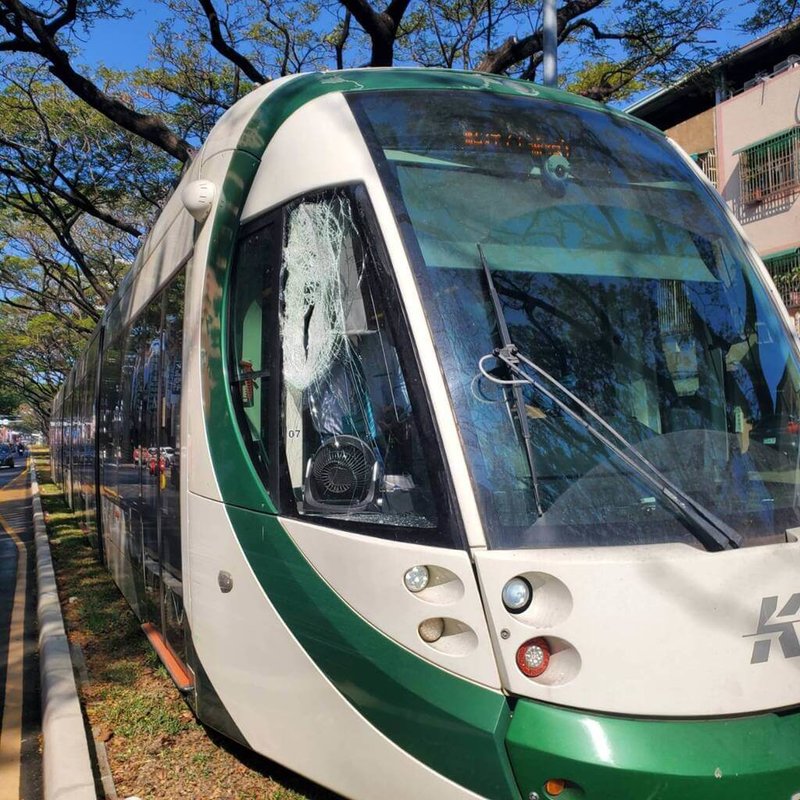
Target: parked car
x,y
6,456
168,454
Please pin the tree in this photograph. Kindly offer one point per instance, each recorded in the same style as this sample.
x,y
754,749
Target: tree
x,y
10,400
88,154
772,14
605,51
35,356
76,193
48,32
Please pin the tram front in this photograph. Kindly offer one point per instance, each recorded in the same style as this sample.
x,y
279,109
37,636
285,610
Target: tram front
x,y
509,438
625,386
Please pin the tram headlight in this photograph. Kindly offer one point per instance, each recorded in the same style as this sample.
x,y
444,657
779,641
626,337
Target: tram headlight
x,y
517,595
431,630
533,657
417,578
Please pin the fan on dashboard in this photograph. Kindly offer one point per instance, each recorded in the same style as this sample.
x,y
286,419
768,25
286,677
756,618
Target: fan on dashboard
x,y
342,476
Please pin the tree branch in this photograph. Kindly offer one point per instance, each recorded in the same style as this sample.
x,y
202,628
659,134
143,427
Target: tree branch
x,y
30,34
227,50
381,27
514,50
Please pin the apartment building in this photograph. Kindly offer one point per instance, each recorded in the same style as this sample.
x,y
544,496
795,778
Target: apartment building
x,y
740,120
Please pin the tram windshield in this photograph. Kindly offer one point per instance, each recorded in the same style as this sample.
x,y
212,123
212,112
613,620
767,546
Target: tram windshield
x,y
619,273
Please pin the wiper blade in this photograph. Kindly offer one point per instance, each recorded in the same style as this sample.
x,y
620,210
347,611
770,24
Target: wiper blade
x,y
516,388
706,527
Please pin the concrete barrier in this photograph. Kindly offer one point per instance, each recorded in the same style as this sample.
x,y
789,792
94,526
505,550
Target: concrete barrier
x,y
67,766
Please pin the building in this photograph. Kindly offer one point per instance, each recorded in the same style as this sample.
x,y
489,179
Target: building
x,y
740,120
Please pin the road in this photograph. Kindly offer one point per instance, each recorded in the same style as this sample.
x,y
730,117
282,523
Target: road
x,y
20,760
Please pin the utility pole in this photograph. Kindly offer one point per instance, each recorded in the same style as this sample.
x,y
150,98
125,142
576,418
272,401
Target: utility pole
x,y
550,42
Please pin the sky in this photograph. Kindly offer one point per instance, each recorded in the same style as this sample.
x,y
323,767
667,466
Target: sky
x,y
125,43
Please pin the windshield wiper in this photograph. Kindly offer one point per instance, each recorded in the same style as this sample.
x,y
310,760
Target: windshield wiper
x,y
516,388
706,527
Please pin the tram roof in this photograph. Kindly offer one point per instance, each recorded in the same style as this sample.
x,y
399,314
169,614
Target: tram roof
x,y
251,122
277,100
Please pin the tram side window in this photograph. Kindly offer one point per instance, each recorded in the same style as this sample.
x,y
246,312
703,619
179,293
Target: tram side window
x,y
328,405
144,401
169,438
81,430
350,437
130,448
110,412
253,306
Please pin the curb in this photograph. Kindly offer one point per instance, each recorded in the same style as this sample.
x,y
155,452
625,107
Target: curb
x,y
66,768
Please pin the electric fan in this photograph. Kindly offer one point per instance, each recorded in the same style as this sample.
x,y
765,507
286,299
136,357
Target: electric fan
x,y
342,476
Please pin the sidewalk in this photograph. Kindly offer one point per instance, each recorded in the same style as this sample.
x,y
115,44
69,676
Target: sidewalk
x,y
20,762
65,767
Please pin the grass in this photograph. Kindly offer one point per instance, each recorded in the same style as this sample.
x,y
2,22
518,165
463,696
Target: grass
x,y
131,712
156,748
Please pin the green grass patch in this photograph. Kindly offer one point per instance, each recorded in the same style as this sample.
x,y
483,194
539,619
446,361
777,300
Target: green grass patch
x,y
123,673
131,713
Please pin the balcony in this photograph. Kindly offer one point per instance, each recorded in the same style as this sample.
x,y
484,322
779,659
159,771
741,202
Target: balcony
x,y
770,168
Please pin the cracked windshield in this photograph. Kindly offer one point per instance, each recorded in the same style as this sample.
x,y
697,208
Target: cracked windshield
x,y
618,273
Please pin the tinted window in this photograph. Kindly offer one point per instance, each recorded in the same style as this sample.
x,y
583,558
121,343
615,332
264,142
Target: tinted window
x,y
620,275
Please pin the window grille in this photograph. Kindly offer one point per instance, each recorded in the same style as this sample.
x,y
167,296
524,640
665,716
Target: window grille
x,y
708,164
674,308
785,271
770,167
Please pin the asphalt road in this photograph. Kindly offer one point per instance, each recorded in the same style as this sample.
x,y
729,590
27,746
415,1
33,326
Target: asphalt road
x,y
20,760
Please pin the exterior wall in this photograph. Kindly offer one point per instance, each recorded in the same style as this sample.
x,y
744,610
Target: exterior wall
x,y
766,109
696,134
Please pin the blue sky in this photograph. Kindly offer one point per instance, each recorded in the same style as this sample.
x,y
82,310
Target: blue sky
x,y
125,43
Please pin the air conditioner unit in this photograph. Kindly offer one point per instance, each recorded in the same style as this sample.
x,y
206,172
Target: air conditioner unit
x,y
759,77
787,63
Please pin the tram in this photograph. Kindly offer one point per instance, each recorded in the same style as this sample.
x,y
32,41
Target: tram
x,y
444,438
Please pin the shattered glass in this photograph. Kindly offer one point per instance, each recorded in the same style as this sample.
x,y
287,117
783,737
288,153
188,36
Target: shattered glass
x,y
351,444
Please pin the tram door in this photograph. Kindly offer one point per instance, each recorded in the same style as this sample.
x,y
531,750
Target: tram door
x,y
168,469
156,393
146,399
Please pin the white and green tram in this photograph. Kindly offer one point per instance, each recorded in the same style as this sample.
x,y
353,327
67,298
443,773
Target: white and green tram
x,y
444,437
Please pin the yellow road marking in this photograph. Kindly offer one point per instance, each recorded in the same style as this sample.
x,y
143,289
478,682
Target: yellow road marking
x,y
16,478
11,729
7,495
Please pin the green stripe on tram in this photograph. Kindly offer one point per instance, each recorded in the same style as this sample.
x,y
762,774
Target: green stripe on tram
x,y
452,725
736,758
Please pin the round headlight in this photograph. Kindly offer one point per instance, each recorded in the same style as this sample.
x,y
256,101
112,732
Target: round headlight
x,y
517,595
416,578
431,630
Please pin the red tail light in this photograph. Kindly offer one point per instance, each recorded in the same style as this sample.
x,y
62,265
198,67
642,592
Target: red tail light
x,y
533,657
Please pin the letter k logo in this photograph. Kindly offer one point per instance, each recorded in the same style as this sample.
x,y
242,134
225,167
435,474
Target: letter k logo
x,y
787,635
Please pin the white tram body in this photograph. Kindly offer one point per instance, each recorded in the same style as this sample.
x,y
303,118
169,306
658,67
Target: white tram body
x,y
301,625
